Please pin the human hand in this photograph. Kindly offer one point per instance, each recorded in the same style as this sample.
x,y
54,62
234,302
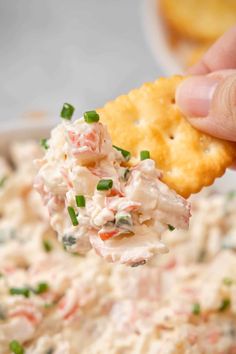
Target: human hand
x,y
208,98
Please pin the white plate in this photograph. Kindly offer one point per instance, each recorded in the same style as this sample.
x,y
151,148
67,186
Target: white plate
x,y
26,131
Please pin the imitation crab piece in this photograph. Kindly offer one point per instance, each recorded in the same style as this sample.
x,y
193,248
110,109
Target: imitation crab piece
x,y
96,199
129,250
88,142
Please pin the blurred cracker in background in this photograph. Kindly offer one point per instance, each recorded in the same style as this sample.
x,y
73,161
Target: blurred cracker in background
x,y
193,25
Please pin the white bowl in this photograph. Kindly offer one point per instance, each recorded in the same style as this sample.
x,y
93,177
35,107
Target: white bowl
x,y
156,36
23,131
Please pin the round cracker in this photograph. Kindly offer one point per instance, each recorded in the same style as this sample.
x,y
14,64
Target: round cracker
x,y
148,119
199,19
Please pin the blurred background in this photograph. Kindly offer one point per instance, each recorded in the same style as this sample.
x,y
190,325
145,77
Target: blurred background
x,y
82,51
87,51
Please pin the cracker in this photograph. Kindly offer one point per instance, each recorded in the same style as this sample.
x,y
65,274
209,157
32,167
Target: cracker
x,y
199,19
148,119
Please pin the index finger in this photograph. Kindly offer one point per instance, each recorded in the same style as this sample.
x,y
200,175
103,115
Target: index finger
x,y
221,55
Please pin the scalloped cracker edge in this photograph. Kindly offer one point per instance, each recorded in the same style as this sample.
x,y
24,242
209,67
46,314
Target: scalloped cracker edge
x,y
148,119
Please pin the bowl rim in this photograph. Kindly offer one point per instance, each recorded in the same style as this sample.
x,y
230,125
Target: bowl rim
x,y
19,130
156,37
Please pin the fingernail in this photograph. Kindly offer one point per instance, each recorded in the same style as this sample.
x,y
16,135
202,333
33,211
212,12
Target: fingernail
x,y
194,95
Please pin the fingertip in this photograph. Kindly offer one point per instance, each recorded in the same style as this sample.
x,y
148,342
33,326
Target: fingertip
x,y
193,96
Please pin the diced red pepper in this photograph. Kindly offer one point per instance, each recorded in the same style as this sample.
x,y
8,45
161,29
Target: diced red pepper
x,y
114,193
107,235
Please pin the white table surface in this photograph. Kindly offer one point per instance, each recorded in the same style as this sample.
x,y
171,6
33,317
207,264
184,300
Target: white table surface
x,y
81,51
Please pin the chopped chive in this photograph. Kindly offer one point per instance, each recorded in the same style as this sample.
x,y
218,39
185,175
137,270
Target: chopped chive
x,y
20,291
91,117
104,184
231,195
64,247
68,240
124,222
47,245
41,288
50,351
77,254
144,155
224,305
126,154
80,201
16,348
171,228
44,143
126,174
196,309
49,305
67,111
201,255
228,281
73,216
2,181
3,314
136,264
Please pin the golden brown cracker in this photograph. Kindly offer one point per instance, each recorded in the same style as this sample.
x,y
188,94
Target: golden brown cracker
x,y
148,119
199,19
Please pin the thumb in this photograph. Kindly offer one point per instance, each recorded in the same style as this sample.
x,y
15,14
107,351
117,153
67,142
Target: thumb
x,y
209,102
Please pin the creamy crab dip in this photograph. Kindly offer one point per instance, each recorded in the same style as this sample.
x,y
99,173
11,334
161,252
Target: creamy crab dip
x,y
56,302
97,200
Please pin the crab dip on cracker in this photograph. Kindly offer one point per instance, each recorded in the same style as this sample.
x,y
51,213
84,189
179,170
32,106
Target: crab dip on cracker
x,y
99,196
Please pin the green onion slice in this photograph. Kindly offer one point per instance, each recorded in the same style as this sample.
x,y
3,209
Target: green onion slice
x,y
3,314
80,201
196,309
124,221
133,265
224,305
20,291
171,228
41,288
91,117
126,174
2,181
68,240
67,111
126,154
44,143
73,216
49,305
144,155
47,245
16,348
104,184
228,281
231,195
